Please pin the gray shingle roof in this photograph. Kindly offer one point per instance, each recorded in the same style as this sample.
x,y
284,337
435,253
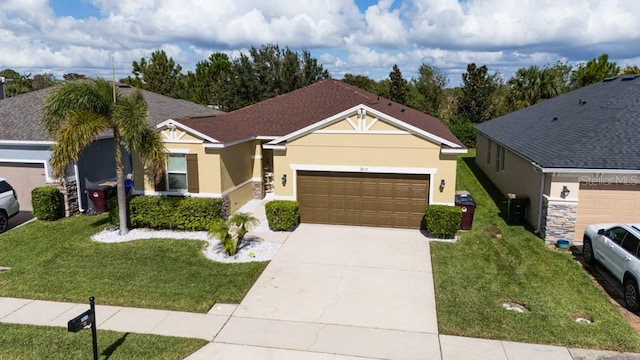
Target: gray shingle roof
x,y
20,115
595,127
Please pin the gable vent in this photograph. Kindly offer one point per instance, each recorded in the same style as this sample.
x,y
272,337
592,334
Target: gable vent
x,y
630,77
609,79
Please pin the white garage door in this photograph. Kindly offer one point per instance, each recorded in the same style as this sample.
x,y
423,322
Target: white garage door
x,y
23,178
607,204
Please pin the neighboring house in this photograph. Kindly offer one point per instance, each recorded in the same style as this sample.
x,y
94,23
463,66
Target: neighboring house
x,y
576,157
25,145
346,155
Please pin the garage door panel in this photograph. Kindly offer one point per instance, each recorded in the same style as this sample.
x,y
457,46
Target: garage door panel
x,y
23,178
389,200
614,203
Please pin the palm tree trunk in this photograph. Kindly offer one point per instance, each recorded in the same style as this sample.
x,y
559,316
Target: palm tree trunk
x,y
121,192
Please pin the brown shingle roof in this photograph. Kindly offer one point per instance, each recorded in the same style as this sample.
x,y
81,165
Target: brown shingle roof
x,y
287,113
20,115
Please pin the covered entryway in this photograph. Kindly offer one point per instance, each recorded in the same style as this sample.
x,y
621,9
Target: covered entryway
x,y
614,203
367,199
24,178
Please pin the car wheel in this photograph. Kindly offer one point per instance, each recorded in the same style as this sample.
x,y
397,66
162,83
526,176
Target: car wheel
x,y
587,252
4,221
631,295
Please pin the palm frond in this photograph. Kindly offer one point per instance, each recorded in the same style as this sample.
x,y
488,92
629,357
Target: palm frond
x,y
131,118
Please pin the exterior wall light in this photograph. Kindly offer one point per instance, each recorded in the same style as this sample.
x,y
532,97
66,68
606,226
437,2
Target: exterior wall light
x,y
565,191
442,183
284,179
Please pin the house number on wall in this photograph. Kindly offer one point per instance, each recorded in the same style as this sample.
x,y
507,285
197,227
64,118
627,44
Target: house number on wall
x,y
364,169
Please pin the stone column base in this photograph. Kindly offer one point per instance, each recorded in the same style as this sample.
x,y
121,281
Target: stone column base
x,y
558,220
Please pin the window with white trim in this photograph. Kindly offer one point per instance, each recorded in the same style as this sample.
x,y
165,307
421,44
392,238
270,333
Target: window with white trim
x,y
177,172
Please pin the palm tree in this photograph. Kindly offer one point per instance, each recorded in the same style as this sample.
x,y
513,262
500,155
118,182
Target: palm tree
x,y
77,112
242,222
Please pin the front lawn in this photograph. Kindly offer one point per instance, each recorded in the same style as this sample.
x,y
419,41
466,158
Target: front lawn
x,y
58,261
42,342
474,276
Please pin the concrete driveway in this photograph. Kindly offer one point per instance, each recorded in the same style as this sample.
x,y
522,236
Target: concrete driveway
x,y
340,290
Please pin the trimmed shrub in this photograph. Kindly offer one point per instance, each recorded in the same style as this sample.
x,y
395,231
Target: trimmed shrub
x,y
443,221
48,203
282,215
169,213
465,132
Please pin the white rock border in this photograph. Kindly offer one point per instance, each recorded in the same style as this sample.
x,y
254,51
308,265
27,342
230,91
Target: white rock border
x,y
252,249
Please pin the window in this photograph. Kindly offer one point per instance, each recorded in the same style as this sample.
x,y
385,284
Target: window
x,y
177,172
490,144
630,244
499,158
616,234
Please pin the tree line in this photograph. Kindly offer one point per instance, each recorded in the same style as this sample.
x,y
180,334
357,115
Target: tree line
x,y
269,70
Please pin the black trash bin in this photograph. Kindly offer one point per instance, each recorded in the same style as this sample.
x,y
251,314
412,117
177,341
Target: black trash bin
x,y
517,210
99,195
468,205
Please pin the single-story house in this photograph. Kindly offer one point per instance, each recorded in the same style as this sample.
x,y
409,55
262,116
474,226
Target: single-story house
x,y
574,156
25,146
346,155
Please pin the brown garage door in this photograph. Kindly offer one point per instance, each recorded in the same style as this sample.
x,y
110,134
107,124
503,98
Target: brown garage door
x,y
23,178
387,200
606,204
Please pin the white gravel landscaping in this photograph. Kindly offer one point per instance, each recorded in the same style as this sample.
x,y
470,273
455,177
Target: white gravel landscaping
x,y
253,248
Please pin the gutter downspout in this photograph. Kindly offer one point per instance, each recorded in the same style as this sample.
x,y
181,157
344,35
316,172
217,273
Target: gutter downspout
x,y
543,176
77,173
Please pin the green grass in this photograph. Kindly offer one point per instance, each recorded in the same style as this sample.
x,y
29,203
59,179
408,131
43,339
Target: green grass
x,y
58,261
475,275
21,342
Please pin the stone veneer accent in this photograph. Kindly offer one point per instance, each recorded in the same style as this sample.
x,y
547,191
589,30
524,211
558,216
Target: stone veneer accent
x,y
258,190
226,206
69,189
558,220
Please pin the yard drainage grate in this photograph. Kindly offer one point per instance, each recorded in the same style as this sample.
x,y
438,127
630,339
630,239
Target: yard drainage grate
x,y
4,269
514,306
581,318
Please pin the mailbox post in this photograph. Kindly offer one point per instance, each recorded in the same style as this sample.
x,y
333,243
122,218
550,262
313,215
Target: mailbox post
x,y
87,318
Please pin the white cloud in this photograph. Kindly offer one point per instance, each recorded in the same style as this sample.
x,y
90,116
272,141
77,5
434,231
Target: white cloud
x,y
504,34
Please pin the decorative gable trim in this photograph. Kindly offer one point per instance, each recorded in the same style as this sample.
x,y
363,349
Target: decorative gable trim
x,y
178,130
363,126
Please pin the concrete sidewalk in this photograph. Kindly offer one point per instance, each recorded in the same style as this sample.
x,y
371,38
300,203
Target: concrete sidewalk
x,y
208,326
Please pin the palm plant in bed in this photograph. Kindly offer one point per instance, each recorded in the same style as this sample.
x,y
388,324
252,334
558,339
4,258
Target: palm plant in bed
x,y
231,232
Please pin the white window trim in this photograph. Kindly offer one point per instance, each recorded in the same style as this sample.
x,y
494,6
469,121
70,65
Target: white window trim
x,y
186,175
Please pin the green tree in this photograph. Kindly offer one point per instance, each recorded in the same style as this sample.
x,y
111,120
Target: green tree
x,y
533,84
16,84
266,72
78,112
398,87
361,81
231,232
42,81
477,102
159,74
593,71
429,90
204,83
631,70
73,76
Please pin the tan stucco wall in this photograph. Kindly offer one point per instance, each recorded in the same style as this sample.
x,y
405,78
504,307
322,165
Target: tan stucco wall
x,y
518,176
208,166
239,197
363,151
236,165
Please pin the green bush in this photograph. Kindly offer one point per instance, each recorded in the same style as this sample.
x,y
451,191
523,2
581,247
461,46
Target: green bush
x,y
443,221
48,203
465,132
282,215
174,213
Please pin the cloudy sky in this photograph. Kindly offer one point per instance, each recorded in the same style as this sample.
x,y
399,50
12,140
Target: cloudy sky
x,y
347,36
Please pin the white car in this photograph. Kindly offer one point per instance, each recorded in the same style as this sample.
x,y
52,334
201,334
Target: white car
x,y
615,246
9,205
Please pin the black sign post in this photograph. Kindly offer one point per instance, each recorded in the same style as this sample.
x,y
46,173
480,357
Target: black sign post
x,y
82,321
